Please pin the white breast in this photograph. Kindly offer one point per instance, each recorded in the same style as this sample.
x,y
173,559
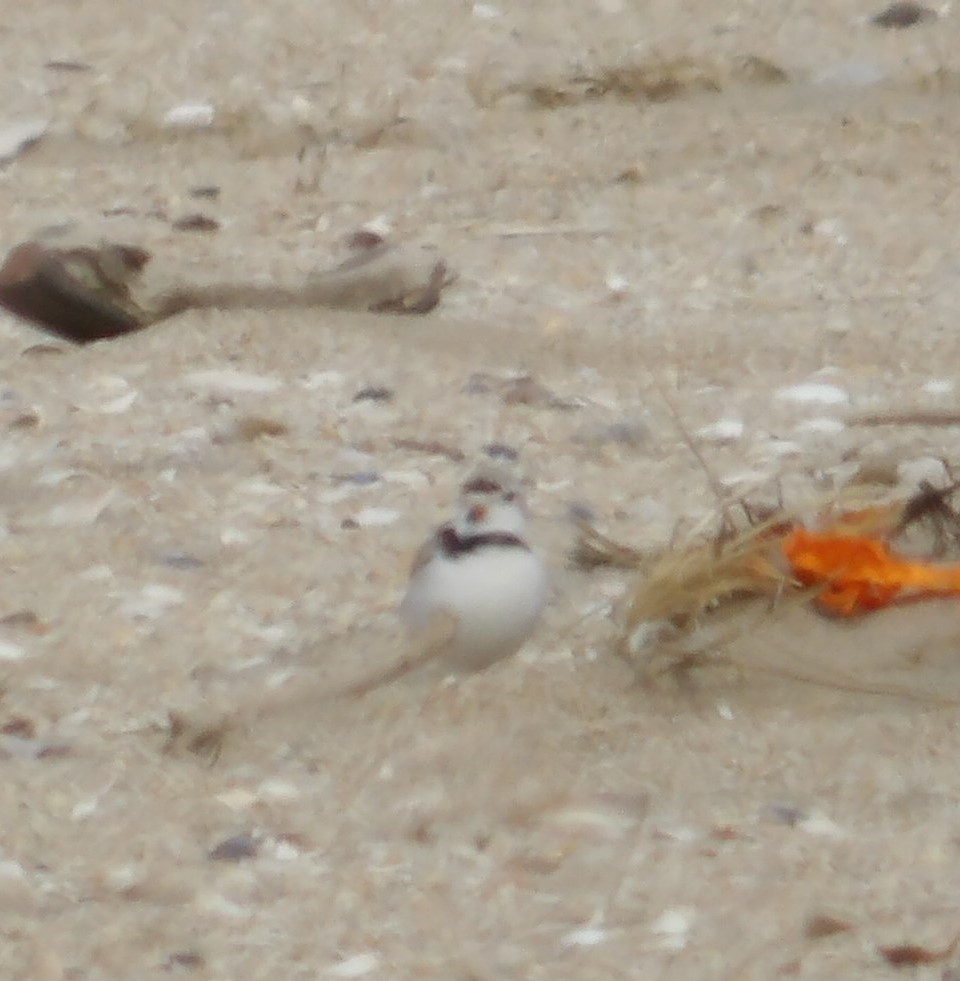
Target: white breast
x,y
496,593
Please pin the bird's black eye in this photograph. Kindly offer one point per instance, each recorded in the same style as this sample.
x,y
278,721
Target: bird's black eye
x,y
510,496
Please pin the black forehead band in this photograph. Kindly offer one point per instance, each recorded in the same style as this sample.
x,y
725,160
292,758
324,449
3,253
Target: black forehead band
x,y
482,485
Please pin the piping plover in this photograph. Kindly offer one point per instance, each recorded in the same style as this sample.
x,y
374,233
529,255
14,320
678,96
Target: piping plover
x,y
477,588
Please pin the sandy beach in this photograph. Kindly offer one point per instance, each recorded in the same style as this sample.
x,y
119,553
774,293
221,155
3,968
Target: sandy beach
x,y
713,202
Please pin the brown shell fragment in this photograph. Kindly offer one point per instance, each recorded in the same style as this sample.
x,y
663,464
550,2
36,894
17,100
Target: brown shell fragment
x,y
823,925
910,955
196,222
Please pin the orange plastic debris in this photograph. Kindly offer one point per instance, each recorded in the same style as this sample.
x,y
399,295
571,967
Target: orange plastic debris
x,y
861,574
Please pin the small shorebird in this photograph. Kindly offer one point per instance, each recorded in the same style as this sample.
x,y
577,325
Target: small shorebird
x,y
477,588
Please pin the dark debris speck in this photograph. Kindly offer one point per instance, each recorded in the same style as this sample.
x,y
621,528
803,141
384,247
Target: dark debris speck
x,y
196,223
19,727
903,13
374,393
185,960
181,560
235,849
433,447
786,814
23,620
500,451
359,478
578,511
67,67
364,238
478,383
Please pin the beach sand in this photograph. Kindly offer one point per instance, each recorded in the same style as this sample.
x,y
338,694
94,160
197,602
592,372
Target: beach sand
x,y
771,201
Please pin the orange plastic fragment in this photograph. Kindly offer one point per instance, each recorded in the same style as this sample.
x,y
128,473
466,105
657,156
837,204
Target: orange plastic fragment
x,y
861,574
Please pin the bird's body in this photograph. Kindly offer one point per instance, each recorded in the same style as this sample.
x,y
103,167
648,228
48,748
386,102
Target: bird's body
x,y
476,588
491,584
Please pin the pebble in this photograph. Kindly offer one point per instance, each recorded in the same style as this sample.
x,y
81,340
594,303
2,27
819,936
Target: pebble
x,y
17,137
721,431
354,967
228,381
820,426
10,651
924,468
486,11
152,601
190,115
673,925
376,517
588,936
813,393
281,791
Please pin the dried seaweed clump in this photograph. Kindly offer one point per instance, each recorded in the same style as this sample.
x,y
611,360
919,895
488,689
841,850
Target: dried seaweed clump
x,y
655,80
681,595
689,605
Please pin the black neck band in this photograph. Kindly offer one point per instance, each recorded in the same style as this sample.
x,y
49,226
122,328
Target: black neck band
x,y
454,545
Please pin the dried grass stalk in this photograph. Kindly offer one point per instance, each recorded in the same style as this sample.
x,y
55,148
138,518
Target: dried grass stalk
x,y
594,550
665,621
657,79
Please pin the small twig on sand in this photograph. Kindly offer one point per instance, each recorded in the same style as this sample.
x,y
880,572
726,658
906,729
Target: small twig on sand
x,y
907,417
723,499
533,231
